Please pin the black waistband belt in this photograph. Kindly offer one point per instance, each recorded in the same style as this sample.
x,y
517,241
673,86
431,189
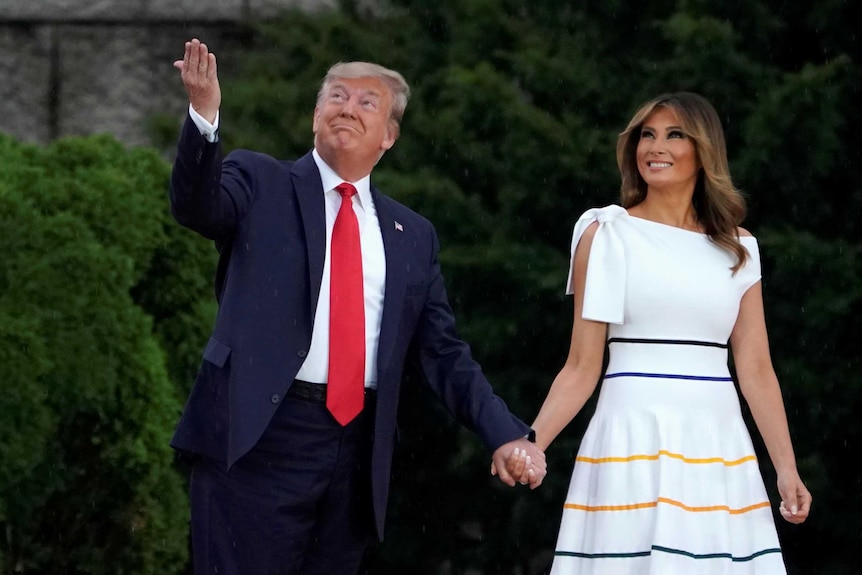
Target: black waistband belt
x,y
316,392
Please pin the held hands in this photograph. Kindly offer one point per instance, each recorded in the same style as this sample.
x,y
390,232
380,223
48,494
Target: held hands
x,y
200,78
521,461
795,498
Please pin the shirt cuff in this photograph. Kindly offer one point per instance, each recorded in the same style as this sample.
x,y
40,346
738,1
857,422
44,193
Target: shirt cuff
x,y
207,130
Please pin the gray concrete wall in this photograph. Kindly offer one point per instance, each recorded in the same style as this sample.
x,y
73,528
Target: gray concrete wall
x,y
77,67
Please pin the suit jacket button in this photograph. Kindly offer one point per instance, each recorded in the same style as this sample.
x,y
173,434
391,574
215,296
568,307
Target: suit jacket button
x,y
275,398
302,353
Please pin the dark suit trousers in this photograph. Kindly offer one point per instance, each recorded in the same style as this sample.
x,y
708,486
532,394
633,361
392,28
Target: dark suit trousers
x,y
298,503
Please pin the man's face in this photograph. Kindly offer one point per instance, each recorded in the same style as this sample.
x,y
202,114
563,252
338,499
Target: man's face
x,y
351,121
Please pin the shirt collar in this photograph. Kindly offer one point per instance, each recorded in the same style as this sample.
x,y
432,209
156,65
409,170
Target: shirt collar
x,y
330,179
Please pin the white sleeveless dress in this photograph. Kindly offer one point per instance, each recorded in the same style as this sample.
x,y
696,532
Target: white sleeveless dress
x,y
666,481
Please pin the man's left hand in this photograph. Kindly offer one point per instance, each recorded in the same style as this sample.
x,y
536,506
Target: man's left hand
x,y
519,460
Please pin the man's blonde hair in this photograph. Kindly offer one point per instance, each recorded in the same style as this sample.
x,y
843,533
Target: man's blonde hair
x,y
396,83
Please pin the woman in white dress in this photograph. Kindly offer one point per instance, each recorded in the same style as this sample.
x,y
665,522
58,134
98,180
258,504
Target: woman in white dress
x,y
666,480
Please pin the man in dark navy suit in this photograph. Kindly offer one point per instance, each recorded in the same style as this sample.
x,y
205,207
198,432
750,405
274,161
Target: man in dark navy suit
x,y
325,288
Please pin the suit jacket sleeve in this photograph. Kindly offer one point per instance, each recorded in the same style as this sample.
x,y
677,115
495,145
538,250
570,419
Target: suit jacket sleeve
x,y
208,195
451,371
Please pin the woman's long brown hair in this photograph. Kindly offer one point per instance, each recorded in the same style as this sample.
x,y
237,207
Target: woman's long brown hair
x,y
719,206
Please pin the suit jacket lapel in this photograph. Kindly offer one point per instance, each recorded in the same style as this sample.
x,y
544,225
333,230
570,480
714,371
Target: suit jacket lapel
x,y
393,245
309,197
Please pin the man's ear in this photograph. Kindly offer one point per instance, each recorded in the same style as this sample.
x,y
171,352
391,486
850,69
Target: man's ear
x,y
392,133
315,120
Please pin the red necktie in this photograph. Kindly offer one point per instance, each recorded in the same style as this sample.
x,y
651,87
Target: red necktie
x,y
346,386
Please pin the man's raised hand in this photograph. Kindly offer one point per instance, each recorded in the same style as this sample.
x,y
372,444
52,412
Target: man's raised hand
x,y
199,74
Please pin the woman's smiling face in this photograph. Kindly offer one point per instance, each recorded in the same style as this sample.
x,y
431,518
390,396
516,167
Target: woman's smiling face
x,y
666,156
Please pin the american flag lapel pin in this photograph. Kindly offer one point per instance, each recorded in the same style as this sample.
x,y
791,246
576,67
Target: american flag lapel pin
x,y
399,227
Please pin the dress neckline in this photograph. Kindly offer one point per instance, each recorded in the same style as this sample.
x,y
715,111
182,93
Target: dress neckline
x,y
670,227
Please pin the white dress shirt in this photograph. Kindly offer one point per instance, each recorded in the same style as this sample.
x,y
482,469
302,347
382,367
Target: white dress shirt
x,y
316,366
